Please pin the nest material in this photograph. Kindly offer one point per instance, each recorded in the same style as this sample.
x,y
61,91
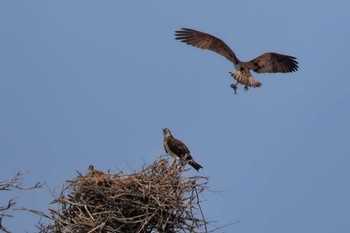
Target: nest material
x,y
156,199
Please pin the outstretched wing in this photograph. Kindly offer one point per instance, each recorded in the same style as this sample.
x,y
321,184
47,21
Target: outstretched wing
x,y
205,41
274,63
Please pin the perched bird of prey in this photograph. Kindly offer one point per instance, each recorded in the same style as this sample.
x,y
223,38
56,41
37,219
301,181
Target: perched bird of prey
x,y
178,149
265,63
92,171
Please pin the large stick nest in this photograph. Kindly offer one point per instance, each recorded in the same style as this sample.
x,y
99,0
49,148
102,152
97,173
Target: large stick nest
x,y
156,199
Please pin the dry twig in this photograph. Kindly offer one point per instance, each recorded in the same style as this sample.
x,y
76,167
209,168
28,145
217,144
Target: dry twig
x,y
9,185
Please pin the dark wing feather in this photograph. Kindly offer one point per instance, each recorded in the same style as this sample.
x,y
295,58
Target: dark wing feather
x,y
274,63
178,147
205,41
165,148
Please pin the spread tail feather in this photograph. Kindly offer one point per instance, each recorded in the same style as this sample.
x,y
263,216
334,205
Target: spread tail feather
x,y
247,80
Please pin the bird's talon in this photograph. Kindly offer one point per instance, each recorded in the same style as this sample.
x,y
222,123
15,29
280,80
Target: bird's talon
x,y
234,87
246,88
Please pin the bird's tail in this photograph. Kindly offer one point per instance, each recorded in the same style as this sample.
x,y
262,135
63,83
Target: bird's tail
x,y
195,165
247,80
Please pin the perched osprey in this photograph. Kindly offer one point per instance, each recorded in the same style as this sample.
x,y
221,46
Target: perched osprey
x,y
265,63
92,171
178,149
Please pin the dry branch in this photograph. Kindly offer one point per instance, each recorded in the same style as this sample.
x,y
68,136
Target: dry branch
x,y
9,185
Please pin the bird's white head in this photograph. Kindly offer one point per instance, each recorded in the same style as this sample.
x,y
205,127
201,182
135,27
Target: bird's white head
x,y
166,132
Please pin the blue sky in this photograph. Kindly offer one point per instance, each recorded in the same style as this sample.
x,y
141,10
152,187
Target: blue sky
x,y
94,82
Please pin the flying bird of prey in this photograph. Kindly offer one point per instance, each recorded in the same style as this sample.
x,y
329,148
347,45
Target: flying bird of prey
x,y
177,149
266,63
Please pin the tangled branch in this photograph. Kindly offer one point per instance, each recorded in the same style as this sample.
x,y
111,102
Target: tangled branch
x,y
9,185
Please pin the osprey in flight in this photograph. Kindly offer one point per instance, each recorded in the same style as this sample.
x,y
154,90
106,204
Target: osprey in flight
x,y
265,63
178,149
